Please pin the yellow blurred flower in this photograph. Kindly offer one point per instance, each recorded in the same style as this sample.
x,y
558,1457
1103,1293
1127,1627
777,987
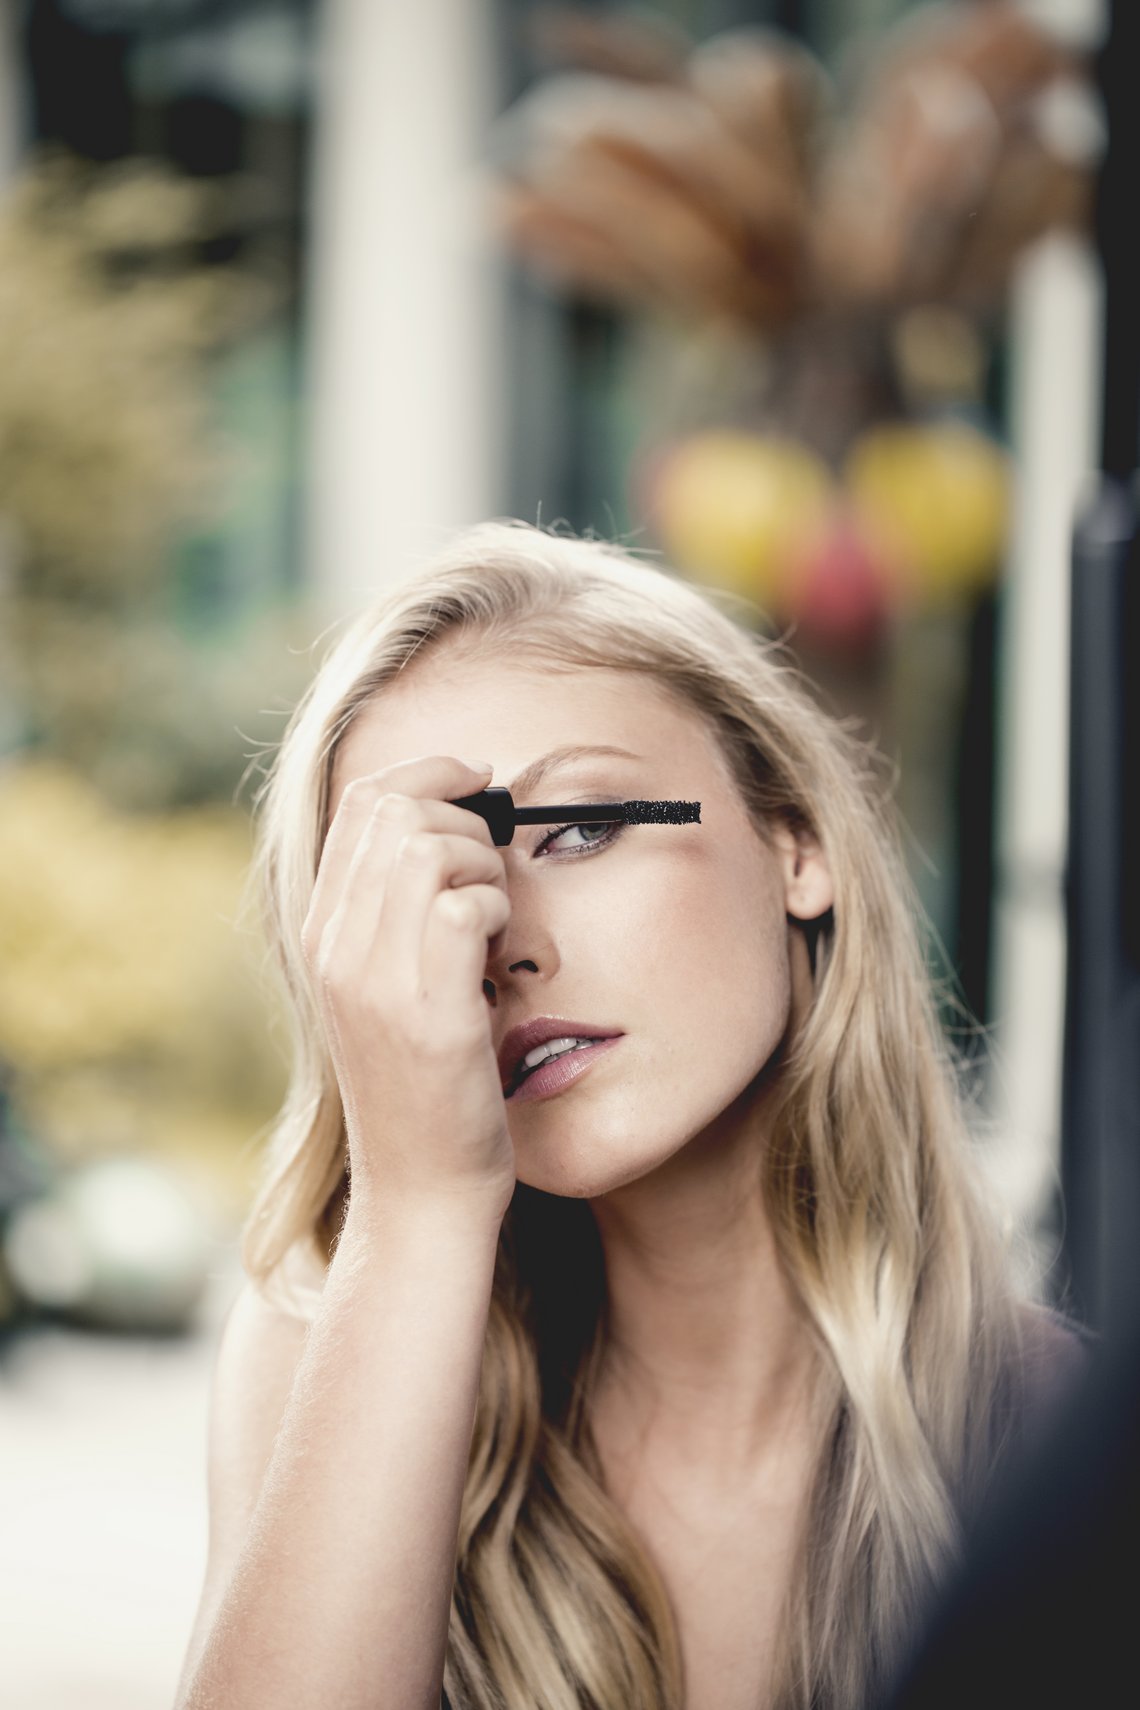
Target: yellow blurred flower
x,y
939,494
731,507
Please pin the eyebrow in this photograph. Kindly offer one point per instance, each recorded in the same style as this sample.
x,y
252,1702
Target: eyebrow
x,y
531,776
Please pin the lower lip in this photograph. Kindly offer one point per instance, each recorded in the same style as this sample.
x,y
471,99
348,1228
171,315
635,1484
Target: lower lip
x,y
552,1077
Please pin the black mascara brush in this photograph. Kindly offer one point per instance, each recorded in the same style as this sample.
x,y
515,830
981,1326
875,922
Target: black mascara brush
x,y
497,807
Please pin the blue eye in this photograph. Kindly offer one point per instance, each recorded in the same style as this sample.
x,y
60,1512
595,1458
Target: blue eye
x,y
606,834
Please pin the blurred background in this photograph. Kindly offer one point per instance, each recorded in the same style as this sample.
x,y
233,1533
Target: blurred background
x,y
829,302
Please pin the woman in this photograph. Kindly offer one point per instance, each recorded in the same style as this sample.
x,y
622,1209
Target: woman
x,y
676,1384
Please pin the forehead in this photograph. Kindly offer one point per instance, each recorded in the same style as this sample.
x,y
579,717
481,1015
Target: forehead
x,y
511,712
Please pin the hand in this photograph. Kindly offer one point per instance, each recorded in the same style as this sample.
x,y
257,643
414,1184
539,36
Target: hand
x,y
408,892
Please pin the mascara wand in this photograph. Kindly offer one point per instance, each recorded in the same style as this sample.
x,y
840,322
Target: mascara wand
x,y
497,807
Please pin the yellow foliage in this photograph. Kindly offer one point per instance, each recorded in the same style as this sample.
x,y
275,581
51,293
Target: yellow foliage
x,y
122,954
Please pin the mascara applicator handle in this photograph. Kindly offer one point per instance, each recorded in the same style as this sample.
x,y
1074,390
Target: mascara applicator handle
x,y
496,806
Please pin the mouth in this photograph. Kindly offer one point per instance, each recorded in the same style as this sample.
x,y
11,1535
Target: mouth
x,y
553,1074
531,1045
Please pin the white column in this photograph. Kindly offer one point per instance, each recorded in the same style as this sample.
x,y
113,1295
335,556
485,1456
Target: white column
x,y
405,372
1055,422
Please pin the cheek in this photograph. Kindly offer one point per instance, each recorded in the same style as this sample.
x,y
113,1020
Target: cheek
x,y
737,999
699,952
695,965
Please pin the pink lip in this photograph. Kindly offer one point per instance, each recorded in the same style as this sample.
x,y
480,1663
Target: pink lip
x,y
553,1077
527,1034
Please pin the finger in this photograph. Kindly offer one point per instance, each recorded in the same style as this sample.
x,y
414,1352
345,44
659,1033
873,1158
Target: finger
x,y
408,880
436,777
460,924
433,780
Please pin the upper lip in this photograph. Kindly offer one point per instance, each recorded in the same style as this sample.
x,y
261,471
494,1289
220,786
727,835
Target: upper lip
x,y
523,1038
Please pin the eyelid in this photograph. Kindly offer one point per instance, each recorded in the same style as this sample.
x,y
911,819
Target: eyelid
x,y
599,793
612,830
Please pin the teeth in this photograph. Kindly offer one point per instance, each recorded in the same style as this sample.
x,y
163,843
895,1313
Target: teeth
x,y
550,1048
547,1051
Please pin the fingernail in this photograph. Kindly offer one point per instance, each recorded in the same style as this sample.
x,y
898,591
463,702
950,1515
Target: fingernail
x,y
479,765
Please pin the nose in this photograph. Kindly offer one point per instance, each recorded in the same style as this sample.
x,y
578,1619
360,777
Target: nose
x,y
489,990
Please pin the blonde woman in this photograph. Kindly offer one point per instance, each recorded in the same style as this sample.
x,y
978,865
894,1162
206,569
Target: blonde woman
x,y
674,1382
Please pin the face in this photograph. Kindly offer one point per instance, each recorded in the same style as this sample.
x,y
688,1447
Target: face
x,y
675,936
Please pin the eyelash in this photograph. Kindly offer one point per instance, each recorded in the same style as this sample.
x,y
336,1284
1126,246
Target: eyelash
x,y
613,831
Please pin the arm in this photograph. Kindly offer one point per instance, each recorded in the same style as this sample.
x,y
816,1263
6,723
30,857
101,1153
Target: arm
x,y
342,1590
335,1507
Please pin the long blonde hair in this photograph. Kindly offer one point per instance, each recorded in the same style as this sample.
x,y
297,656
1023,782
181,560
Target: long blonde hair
x,y
867,1177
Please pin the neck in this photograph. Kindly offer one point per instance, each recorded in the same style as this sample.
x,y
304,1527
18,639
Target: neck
x,y
709,1352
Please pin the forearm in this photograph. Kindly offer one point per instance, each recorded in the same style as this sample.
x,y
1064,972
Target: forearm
x,y
343,1590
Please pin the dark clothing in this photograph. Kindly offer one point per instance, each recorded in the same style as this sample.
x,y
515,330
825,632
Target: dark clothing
x,y
1042,1611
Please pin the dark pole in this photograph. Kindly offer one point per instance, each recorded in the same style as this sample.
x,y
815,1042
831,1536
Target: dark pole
x,y
1118,65
1100,1146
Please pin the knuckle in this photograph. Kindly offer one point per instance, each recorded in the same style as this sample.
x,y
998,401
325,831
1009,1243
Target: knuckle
x,y
421,849
392,806
460,909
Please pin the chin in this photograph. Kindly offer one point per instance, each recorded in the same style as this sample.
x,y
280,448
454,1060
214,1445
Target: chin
x,y
587,1167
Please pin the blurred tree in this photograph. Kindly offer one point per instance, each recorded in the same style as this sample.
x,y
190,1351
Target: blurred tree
x,y
132,1011
111,330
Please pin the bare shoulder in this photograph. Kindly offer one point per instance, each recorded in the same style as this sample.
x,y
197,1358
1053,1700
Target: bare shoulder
x,y
259,1331
259,1347
258,1352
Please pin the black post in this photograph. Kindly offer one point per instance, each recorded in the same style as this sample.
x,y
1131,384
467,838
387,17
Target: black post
x,y
1101,1101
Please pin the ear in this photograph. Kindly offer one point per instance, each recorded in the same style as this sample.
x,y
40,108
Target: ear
x,y
808,890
